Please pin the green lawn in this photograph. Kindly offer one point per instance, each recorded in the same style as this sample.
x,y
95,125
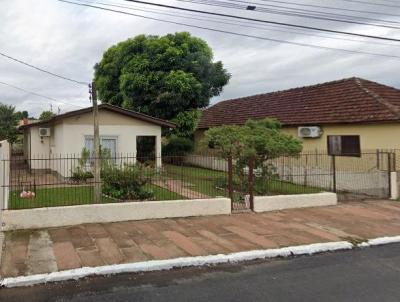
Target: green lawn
x,y
198,179
78,195
204,181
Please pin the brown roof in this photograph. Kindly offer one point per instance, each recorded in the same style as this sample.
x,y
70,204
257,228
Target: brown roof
x,y
129,113
352,100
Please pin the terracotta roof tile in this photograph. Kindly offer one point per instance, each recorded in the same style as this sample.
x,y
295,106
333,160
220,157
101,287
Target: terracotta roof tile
x,y
352,100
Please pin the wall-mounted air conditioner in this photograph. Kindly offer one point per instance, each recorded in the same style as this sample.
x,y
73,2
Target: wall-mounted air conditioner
x,y
309,132
44,132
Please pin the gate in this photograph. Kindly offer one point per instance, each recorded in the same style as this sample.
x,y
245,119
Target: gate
x,y
367,176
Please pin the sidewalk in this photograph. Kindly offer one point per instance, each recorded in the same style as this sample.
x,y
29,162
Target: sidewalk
x,y
49,250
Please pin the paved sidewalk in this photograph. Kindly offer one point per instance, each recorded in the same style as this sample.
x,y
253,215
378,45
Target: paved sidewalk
x,y
48,250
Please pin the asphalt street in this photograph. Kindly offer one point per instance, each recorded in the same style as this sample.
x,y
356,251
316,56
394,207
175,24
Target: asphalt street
x,y
371,274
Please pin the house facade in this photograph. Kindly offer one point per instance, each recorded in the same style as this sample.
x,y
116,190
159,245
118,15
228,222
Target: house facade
x,y
356,113
66,135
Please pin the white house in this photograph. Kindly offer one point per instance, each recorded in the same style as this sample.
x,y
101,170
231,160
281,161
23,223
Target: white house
x,y
65,136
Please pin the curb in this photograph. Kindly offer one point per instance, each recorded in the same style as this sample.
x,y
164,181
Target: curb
x,y
158,265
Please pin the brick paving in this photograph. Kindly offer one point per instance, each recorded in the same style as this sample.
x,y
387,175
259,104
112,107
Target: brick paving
x,y
46,250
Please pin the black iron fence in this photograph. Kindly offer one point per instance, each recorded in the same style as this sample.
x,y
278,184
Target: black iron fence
x,y
64,180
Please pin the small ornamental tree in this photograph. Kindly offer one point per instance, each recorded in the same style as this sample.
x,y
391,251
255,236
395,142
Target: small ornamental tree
x,y
258,141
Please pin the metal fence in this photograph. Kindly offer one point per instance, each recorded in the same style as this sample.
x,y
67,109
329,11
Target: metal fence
x,y
63,180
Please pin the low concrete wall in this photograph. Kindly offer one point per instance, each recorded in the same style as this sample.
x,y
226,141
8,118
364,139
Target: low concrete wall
x,y
281,202
103,213
395,184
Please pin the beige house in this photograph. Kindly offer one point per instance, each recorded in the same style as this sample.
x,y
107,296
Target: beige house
x,y
65,135
354,114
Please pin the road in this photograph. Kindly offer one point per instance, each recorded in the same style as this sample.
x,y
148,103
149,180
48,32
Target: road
x,y
371,274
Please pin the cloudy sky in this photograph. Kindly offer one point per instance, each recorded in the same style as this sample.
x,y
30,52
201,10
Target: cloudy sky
x,y
69,40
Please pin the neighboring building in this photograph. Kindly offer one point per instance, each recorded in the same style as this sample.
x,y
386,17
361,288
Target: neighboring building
x,y
26,121
352,114
67,134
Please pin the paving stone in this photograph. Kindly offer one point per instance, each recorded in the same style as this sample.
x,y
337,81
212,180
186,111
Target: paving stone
x,y
109,251
96,230
133,254
154,251
59,235
185,243
253,238
80,237
119,235
317,232
90,257
30,252
66,255
40,255
219,240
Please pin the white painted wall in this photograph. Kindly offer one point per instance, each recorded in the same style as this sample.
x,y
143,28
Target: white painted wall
x,y
5,150
281,202
113,212
68,139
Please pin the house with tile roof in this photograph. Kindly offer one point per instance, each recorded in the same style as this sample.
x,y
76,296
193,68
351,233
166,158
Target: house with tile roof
x,y
122,131
354,112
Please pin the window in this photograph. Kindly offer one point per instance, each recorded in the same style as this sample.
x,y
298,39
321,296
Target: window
x,y
106,142
344,145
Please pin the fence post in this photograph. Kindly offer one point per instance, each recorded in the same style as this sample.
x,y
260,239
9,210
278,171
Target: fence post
x,y
230,179
251,182
334,172
389,169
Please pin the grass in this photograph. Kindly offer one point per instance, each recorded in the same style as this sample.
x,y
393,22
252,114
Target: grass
x,y
78,195
203,181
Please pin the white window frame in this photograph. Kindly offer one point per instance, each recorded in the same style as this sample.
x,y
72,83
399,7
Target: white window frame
x,y
111,137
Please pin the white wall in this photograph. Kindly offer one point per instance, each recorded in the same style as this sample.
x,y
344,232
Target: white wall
x,y
281,202
5,150
113,212
68,139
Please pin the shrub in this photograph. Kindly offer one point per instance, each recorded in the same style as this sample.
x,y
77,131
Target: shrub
x,y
178,146
80,175
127,183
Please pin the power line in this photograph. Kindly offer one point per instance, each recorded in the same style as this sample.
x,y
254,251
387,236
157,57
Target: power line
x,y
263,21
322,6
372,3
232,33
37,94
322,12
245,24
43,70
309,14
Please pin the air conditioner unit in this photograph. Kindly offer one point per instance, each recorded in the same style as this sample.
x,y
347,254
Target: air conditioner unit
x,y
309,132
44,132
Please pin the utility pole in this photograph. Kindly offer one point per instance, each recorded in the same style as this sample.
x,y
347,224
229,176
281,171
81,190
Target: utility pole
x,y
96,146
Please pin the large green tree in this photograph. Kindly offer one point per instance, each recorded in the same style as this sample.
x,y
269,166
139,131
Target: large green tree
x,y
160,76
8,123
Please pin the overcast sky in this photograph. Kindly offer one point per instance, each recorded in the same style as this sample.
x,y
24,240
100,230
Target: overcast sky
x,y
69,40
